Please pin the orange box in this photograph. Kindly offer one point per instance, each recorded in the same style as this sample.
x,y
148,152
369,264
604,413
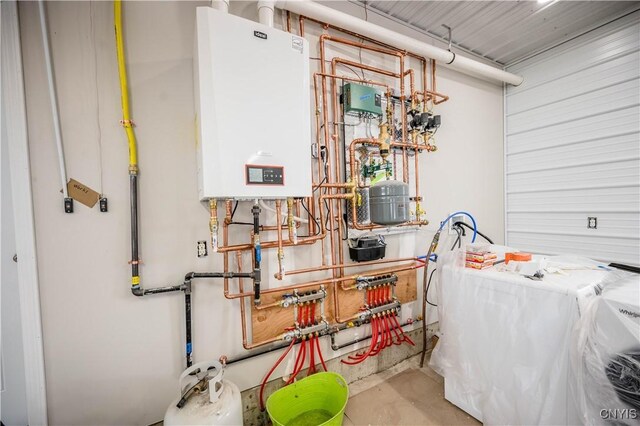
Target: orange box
x,y
518,257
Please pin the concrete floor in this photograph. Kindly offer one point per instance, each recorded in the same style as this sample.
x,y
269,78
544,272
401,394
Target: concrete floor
x,y
403,395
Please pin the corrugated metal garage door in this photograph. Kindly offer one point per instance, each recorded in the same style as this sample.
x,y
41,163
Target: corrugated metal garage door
x,y
573,147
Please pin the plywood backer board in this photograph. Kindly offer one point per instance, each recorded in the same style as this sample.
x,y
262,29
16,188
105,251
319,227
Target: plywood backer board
x,y
268,323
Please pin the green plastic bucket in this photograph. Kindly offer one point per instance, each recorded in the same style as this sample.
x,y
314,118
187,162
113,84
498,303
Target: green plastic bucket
x,y
319,399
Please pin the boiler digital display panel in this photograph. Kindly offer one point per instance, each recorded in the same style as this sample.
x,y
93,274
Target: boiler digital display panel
x,y
264,175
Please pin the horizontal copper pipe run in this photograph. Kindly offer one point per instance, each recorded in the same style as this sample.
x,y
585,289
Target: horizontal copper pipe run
x,y
360,36
361,45
352,265
364,67
271,244
431,95
347,78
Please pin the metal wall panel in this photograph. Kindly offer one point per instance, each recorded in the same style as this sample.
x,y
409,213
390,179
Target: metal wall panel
x,y
573,147
502,31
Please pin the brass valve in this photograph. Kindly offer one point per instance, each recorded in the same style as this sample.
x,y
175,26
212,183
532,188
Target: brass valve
x,y
419,211
293,231
414,136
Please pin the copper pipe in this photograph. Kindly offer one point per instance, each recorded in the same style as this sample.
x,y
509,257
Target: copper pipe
x,y
411,81
429,94
365,38
364,67
353,265
424,83
288,21
225,241
433,75
227,207
271,244
335,185
301,19
317,113
280,250
317,283
359,80
360,45
347,196
325,113
354,215
334,62
336,153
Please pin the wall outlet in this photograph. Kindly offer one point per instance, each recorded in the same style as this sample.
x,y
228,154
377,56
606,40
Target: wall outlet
x,y
456,218
202,248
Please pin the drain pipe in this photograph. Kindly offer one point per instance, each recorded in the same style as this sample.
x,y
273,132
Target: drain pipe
x,y
340,19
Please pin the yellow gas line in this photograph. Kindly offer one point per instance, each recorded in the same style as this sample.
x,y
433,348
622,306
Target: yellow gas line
x,y
126,121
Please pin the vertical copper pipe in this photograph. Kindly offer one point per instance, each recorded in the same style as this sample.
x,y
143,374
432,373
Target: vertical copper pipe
x,y
433,75
318,161
225,241
288,21
424,83
280,251
336,147
325,114
301,26
403,113
243,314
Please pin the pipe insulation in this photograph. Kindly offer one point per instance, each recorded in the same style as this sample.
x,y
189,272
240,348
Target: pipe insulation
x,y
449,59
51,85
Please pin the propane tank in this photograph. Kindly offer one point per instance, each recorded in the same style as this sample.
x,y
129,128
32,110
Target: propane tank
x,y
205,398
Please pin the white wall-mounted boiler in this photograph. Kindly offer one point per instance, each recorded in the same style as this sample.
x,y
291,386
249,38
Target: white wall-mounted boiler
x,y
253,109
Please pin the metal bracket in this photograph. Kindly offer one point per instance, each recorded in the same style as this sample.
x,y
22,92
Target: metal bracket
x,y
448,29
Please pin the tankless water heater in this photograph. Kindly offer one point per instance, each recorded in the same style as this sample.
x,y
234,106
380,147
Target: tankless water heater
x,y
252,103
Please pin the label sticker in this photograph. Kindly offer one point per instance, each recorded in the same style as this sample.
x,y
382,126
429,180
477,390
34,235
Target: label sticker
x,y
297,44
260,34
82,193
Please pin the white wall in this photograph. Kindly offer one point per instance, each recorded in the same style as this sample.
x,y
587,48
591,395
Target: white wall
x,y
13,397
112,358
573,147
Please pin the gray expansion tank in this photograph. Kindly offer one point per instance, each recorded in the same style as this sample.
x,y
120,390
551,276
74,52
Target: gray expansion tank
x,y
389,202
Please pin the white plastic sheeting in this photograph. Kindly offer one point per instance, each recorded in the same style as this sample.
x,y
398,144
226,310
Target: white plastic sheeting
x,y
504,349
605,355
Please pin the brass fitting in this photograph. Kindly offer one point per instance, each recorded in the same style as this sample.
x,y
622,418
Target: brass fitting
x,y
414,136
419,211
293,232
281,272
384,138
213,224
